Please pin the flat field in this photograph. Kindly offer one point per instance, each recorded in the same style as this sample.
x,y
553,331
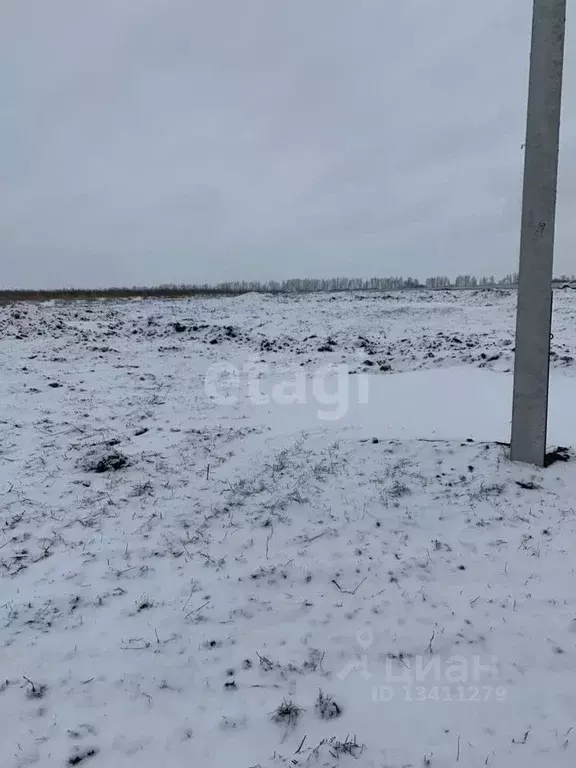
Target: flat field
x,y
282,531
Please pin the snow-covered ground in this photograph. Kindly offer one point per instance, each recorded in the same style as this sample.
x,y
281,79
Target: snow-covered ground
x,y
212,511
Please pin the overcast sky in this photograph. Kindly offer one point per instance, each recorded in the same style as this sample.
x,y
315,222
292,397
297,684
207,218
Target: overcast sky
x,y
150,141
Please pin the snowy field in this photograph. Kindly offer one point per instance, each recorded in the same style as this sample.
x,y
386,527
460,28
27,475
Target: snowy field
x,y
261,532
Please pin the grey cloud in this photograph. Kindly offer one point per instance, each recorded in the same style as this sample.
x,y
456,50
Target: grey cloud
x,y
155,140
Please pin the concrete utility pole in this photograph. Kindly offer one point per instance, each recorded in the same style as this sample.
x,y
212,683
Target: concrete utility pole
x,y
534,313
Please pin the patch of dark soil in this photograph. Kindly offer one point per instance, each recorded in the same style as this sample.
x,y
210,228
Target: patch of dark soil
x,y
558,454
81,755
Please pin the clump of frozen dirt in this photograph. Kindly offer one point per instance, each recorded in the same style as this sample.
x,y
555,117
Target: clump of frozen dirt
x,y
103,460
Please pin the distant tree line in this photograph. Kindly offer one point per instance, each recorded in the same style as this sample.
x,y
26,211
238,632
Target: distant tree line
x,y
295,285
